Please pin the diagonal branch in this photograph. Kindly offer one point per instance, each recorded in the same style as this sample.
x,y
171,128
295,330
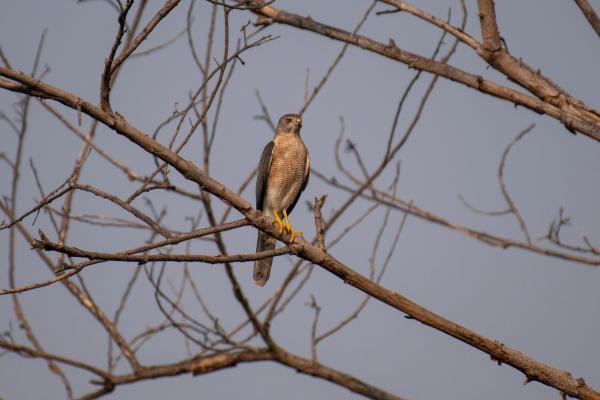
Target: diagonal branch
x,y
549,98
493,240
497,56
138,214
457,32
29,352
310,367
533,369
166,9
83,299
587,10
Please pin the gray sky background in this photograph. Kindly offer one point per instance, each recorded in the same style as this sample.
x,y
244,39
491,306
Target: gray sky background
x,y
547,308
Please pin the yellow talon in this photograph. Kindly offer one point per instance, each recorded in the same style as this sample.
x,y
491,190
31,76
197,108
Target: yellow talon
x,y
294,233
288,227
278,221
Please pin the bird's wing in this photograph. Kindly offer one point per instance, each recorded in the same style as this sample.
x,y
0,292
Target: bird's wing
x,y
304,183
263,172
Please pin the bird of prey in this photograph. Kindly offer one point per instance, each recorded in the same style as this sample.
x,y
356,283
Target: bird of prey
x,y
283,173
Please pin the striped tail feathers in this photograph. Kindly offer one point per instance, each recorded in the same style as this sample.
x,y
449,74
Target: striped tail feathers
x,y
262,268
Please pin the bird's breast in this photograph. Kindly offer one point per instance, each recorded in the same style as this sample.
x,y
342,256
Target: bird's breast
x,y
286,175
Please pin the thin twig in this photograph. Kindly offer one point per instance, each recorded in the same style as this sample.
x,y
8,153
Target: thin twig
x,y
511,205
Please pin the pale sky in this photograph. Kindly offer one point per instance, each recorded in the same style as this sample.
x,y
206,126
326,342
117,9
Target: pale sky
x,y
544,307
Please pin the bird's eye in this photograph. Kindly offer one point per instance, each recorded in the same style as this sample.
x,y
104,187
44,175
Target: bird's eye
x,y
287,120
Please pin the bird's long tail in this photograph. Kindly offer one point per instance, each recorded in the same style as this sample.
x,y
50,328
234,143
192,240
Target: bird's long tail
x,y
262,268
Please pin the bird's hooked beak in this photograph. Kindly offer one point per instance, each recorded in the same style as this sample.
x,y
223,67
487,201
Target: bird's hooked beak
x,y
298,122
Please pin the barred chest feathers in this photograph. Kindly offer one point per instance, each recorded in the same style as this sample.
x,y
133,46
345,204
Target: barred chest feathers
x,y
288,167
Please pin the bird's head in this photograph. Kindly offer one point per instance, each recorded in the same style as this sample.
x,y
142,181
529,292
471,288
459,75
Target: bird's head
x,y
289,123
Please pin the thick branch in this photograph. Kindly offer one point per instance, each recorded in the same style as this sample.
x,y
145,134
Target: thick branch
x,y
217,362
489,26
587,10
550,100
533,369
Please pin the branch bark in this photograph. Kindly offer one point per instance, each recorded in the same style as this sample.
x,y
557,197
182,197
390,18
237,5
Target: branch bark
x,y
489,27
549,98
587,10
533,369
147,258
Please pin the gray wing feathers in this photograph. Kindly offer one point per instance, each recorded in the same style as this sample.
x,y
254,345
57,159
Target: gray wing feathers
x,y
262,268
263,171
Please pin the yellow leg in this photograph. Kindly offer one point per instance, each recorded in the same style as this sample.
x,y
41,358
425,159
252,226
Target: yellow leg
x,y
278,221
288,227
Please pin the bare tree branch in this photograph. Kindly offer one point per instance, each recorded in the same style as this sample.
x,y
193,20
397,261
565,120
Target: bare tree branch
x,y
144,259
587,10
210,339
511,205
533,369
549,99
166,9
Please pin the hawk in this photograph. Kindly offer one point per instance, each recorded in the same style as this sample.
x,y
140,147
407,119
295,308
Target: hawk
x,y
283,173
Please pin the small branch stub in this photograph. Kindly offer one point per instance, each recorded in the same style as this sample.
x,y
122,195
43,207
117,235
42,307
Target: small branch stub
x,y
319,202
